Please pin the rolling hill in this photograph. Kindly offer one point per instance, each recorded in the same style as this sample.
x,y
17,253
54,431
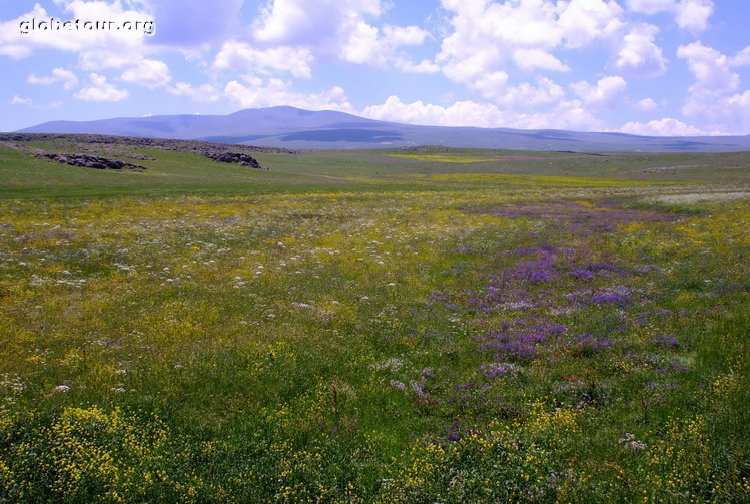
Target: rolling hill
x,y
297,128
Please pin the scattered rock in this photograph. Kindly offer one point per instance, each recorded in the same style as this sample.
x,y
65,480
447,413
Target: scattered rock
x,y
85,160
234,157
114,145
170,144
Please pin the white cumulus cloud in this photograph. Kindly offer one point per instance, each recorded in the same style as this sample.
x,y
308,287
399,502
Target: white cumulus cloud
x,y
639,55
527,95
100,90
531,59
148,72
742,58
313,22
584,21
604,94
423,67
28,102
716,96
651,6
259,93
17,100
647,105
662,127
565,115
488,37
396,36
205,93
691,15
66,77
345,30
462,113
238,55
362,45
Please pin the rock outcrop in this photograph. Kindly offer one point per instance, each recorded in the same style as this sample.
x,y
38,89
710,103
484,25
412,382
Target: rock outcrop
x,y
234,157
85,160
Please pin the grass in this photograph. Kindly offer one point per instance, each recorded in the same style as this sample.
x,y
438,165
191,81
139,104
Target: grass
x,y
354,327
444,158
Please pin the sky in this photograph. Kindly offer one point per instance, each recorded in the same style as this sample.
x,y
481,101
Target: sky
x,y
652,67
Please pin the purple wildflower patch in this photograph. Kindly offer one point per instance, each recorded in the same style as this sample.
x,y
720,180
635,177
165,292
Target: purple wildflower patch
x,y
428,374
522,348
499,369
582,274
666,341
418,388
609,298
551,329
397,384
596,267
454,433
588,345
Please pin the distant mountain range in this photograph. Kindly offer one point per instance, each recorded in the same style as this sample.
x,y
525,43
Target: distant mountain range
x,y
296,128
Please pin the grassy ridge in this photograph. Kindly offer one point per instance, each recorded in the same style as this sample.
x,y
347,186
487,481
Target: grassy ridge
x,y
349,326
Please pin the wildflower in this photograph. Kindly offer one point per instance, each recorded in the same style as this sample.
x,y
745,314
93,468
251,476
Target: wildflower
x,y
498,369
582,274
454,434
604,298
13,383
629,441
419,389
397,384
62,388
666,341
589,344
428,373
393,365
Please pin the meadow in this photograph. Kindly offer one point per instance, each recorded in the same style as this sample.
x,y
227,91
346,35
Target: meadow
x,y
425,325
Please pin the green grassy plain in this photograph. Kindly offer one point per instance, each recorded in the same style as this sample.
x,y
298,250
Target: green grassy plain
x,y
375,326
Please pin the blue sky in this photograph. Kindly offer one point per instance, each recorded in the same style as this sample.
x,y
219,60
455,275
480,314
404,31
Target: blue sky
x,y
661,67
